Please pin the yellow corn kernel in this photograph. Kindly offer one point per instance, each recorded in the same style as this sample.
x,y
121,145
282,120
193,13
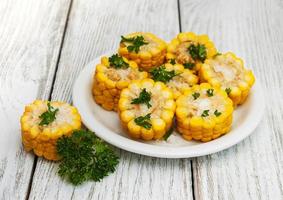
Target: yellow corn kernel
x,y
42,138
108,83
188,39
193,125
149,55
234,77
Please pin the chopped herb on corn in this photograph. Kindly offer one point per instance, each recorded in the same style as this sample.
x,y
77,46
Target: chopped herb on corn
x,y
111,76
204,118
141,121
176,77
146,49
190,49
228,72
44,122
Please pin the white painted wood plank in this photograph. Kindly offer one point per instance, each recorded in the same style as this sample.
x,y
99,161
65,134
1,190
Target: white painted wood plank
x,y
30,38
94,28
253,30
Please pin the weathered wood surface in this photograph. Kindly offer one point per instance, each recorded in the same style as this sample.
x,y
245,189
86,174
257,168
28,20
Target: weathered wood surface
x,y
31,44
253,30
94,27
30,39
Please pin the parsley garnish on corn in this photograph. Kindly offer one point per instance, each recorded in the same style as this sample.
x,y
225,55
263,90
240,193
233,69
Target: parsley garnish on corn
x,y
135,43
111,76
43,122
48,116
176,77
204,118
228,72
141,121
190,49
144,97
146,49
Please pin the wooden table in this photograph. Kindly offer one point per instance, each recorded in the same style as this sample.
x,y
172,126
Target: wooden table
x,y
44,44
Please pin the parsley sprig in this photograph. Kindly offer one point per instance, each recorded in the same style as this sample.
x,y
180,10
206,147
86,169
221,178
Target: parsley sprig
x,y
196,95
168,133
189,65
198,52
217,113
136,43
49,116
228,90
161,74
85,157
144,121
172,61
144,97
118,62
209,92
205,113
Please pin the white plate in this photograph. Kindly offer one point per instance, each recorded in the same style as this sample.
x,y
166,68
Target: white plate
x,y
106,124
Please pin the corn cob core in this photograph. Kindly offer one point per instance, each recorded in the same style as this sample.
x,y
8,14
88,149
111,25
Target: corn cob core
x,y
150,55
162,109
42,138
185,79
227,71
203,117
109,82
178,48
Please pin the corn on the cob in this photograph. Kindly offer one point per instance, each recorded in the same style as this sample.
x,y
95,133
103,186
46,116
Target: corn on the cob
x,y
175,76
228,72
146,49
203,113
146,109
44,122
190,50
111,76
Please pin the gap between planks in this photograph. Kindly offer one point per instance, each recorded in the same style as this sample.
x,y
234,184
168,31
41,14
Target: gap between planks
x,y
51,91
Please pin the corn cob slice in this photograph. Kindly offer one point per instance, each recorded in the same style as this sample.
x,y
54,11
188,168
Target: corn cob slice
x,y
43,123
203,113
146,49
111,76
175,76
146,109
228,72
190,49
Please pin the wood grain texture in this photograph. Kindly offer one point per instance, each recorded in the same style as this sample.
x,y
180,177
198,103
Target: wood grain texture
x,y
30,38
253,30
94,28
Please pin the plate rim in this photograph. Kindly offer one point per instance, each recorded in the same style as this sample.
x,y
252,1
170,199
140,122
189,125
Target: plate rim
x,y
155,150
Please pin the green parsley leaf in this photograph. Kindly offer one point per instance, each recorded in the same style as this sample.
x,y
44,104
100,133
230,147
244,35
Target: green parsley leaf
x,y
144,121
172,61
205,113
189,65
196,95
136,43
144,97
85,157
49,116
217,54
198,52
209,92
160,74
168,133
228,90
118,62
217,113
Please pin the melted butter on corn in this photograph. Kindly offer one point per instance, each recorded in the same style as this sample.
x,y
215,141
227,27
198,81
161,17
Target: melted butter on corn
x,y
228,72
42,138
161,111
204,116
